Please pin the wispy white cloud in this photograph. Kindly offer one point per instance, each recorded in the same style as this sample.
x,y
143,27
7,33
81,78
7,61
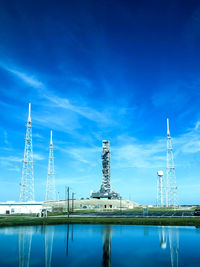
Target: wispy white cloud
x,y
134,154
28,79
84,111
188,143
12,163
38,157
60,102
38,136
86,155
10,159
137,155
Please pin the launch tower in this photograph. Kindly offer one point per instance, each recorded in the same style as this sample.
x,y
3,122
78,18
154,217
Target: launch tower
x,y
106,190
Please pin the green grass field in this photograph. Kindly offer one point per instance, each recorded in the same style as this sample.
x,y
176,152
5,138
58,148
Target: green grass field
x,y
137,209
28,220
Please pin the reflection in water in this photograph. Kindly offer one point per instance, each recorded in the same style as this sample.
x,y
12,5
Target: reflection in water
x,y
174,245
67,237
34,238
146,230
106,261
173,233
67,247
24,241
163,237
49,235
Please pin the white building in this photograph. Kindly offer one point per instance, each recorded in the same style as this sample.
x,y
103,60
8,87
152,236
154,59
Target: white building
x,y
12,207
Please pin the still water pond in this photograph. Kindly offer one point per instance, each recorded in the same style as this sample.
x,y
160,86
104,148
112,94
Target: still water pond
x,y
99,245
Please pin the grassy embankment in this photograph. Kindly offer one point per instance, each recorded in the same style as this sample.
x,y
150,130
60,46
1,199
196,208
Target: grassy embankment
x,y
30,220
135,210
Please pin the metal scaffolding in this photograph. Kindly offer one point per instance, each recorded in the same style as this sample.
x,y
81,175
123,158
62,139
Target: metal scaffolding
x,y
50,187
27,179
106,189
171,187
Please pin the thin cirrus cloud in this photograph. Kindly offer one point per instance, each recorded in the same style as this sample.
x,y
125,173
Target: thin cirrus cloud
x,y
30,80
54,101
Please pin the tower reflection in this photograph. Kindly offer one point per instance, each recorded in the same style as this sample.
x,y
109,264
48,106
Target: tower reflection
x,y
25,234
173,234
163,237
174,245
49,236
106,261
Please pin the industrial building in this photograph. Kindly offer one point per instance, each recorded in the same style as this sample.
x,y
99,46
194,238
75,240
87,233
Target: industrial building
x,y
11,207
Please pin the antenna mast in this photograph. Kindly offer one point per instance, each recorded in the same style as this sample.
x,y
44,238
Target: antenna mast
x,y
27,179
51,188
171,187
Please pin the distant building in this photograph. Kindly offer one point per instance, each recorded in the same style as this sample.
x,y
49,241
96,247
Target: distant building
x,y
12,207
90,204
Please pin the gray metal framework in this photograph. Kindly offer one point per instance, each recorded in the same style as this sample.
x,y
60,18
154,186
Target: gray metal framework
x,y
171,186
51,187
106,190
27,179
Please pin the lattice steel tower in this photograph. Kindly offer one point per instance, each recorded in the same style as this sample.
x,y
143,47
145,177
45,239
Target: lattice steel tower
x,y
51,188
171,187
27,179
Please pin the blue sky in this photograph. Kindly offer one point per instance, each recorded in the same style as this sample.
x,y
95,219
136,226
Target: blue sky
x,y
98,70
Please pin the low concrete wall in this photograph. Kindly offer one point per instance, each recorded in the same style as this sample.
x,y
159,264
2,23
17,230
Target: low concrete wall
x,y
97,204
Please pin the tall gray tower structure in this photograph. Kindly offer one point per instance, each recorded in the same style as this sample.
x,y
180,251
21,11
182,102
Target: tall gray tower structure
x,y
171,187
27,179
51,188
106,190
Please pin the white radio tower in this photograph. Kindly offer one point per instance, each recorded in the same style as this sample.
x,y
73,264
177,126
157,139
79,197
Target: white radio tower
x,y
51,188
27,179
171,187
160,201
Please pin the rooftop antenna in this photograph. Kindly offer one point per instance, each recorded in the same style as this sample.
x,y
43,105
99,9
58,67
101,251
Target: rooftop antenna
x,y
27,179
